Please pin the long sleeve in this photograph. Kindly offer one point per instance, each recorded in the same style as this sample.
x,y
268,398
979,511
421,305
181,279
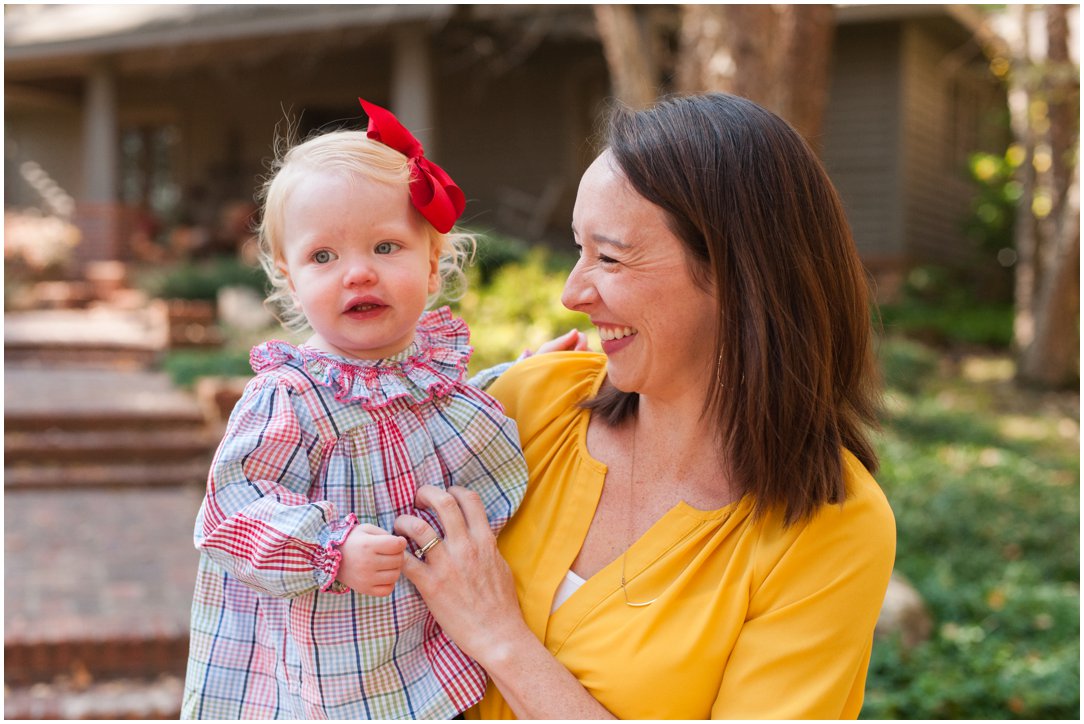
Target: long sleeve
x,y
257,520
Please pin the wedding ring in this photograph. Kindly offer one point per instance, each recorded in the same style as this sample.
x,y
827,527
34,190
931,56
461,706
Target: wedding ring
x,y
420,553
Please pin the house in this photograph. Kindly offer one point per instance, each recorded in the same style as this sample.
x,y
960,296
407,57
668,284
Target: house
x,y
135,119
911,99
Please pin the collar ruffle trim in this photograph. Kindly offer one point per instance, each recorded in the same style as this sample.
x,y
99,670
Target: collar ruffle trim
x,y
431,367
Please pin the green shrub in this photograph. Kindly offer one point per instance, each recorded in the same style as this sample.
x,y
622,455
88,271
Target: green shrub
x,y
937,307
905,363
495,251
520,308
201,279
988,532
186,366
991,222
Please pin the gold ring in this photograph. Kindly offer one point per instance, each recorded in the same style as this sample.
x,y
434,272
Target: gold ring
x,y
420,553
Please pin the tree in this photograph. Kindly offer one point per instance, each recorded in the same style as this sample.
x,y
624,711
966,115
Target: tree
x,y
776,55
1044,101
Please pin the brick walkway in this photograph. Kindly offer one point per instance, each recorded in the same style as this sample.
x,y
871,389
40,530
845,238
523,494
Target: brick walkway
x,y
98,579
82,565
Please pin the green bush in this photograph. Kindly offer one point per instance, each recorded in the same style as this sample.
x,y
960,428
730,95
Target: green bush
x,y
988,532
495,251
201,279
991,222
520,308
906,363
186,366
937,307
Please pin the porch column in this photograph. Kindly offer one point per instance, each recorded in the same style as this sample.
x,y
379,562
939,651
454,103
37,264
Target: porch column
x,y
412,86
100,137
97,211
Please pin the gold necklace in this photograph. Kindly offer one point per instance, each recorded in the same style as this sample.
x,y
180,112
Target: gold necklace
x,y
628,518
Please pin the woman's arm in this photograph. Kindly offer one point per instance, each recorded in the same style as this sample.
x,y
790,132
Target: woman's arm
x,y
571,341
469,589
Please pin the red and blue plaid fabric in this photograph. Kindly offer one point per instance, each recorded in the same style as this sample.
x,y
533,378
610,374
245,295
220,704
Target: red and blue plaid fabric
x,y
316,445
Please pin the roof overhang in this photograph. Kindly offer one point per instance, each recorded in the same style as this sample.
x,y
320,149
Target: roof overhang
x,y
57,32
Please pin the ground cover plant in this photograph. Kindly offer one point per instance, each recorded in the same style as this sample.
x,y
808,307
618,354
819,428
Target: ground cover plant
x,y
984,481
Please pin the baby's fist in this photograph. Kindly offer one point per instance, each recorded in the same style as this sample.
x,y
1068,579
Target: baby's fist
x,y
371,561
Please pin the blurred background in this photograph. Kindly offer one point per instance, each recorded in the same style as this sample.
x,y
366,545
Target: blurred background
x,y
136,135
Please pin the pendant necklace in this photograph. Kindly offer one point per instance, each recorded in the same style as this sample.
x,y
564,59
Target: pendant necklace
x,y
632,492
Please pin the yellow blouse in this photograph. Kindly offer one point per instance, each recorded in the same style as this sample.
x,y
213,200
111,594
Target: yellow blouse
x,y
750,619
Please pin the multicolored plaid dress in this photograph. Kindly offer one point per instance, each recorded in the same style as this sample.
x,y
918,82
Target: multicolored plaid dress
x,y
317,445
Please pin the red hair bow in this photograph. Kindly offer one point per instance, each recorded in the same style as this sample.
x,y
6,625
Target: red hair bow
x,y
432,191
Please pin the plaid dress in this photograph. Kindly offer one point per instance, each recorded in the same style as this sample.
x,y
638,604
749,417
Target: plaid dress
x,y
317,445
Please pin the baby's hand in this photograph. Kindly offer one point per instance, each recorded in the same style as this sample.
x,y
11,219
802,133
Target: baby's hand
x,y
573,340
371,560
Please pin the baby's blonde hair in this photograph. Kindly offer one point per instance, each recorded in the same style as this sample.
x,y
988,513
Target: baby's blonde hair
x,y
348,152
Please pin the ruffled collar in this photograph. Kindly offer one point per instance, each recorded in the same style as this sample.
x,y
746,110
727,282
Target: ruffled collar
x,y
430,367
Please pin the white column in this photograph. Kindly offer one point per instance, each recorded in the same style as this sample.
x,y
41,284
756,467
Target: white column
x,y
100,137
412,86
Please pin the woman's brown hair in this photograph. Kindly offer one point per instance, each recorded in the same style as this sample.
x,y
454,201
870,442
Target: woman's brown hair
x,y
762,224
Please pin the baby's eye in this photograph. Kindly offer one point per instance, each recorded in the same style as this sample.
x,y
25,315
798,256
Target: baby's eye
x,y
323,256
386,247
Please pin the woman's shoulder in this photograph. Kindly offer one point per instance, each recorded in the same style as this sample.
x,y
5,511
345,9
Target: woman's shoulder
x,y
861,529
547,385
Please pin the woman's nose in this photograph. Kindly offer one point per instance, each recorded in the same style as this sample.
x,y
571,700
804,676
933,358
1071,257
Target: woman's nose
x,y
578,291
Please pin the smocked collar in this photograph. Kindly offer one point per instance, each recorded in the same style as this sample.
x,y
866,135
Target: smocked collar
x,y
431,367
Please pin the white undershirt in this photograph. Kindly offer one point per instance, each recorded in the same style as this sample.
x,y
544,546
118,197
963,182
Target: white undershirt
x,y
568,586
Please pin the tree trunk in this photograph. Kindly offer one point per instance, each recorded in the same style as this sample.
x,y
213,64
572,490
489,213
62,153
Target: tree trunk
x,y
806,47
1052,359
629,54
727,48
776,55
1026,233
1048,277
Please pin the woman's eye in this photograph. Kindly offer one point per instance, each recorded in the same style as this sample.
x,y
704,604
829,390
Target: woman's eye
x,y
323,256
385,247
603,259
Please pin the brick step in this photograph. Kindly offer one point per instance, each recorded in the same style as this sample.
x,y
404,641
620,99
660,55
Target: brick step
x,y
56,446
101,420
105,580
88,355
69,699
29,662
135,475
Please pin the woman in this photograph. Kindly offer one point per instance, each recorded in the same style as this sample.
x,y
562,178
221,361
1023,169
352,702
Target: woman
x,y
701,536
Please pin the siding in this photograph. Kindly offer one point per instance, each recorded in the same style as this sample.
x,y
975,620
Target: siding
x,y
937,194
861,138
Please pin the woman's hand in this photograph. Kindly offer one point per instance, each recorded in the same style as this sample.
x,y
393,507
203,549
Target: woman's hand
x,y
572,341
470,591
465,582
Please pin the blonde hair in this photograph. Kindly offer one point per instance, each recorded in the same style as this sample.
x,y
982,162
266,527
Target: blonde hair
x,y
348,152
